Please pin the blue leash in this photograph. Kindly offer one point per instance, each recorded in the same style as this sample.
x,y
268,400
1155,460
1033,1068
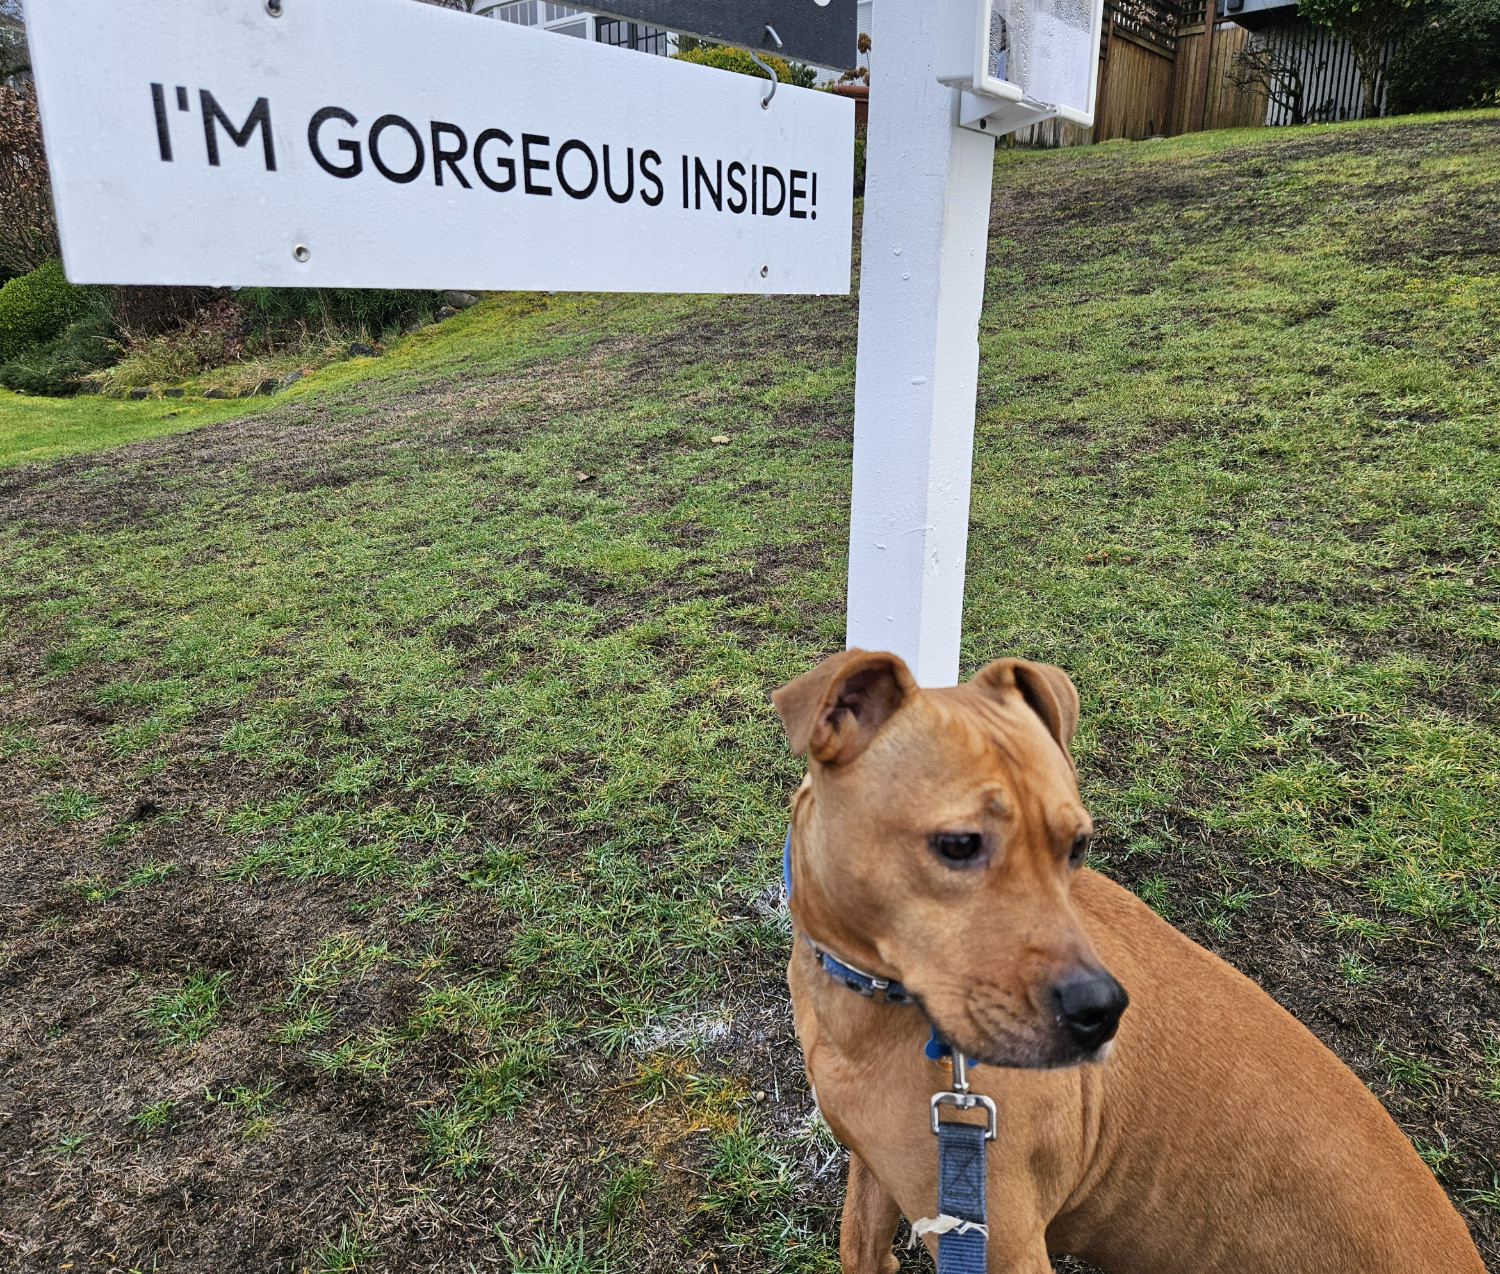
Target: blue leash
x,y
960,1226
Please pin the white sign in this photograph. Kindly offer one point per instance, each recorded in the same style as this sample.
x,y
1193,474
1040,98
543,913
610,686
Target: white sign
x,y
385,143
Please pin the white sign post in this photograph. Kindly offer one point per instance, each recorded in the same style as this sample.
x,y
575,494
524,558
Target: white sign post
x,y
381,143
941,94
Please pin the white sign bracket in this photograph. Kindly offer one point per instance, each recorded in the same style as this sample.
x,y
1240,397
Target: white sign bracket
x,y
986,115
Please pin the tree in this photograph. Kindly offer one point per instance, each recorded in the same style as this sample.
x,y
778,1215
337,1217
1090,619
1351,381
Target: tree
x,y
1258,69
15,57
1371,27
28,229
1451,61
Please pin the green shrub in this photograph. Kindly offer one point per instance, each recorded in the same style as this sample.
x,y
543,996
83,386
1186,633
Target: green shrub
x,y
1451,60
85,345
373,310
731,59
35,308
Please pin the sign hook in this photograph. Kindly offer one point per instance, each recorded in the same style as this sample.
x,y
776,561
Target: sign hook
x,y
767,67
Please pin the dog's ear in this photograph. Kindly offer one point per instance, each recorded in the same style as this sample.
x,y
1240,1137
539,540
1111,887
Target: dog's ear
x,y
1048,691
834,711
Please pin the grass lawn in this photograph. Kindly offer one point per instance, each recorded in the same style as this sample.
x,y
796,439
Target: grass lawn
x,y
392,804
37,429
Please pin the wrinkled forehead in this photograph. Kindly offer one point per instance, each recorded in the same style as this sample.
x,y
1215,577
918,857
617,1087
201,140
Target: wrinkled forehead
x,y
959,741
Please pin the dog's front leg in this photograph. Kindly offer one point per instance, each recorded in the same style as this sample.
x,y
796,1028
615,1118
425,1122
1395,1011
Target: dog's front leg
x,y
869,1224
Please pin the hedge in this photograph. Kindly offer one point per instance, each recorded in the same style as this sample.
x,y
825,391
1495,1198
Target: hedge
x,y
35,308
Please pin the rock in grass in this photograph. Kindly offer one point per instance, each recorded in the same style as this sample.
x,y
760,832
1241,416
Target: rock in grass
x,y
291,378
460,300
444,312
137,394
171,393
360,350
215,393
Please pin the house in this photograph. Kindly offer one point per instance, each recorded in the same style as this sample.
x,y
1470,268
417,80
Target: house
x,y
584,26
628,35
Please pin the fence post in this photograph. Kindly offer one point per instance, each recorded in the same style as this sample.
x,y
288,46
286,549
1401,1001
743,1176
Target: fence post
x,y
926,229
1210,20
1105,53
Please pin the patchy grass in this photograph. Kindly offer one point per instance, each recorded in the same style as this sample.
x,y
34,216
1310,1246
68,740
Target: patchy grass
x,y
188,1013
152,1115
346,1254
441,681
38,429
70,805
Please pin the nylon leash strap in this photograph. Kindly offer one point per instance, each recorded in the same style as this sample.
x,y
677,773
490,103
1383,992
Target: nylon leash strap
x,y
960,1225
961,1195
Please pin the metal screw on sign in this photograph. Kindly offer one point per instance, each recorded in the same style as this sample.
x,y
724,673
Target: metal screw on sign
x,y
273,7
764,271
770,70
301,252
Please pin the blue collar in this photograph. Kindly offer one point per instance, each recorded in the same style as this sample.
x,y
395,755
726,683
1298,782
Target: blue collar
x,y
881,990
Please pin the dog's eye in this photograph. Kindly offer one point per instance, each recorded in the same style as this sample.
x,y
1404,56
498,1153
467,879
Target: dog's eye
x,y
957,847
1080,849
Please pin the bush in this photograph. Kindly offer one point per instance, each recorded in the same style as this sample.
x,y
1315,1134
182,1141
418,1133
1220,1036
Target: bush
x,y
144,312
727,58
85,345
28,229
1451,61
374,310
802,75
35,308
215,336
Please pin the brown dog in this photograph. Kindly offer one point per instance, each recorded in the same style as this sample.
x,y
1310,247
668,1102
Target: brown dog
x,y
937,841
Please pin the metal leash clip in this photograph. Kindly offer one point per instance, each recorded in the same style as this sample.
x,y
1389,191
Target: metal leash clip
x,y
961,1098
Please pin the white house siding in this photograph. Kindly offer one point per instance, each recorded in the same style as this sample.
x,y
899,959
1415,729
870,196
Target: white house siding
x,y
1330,80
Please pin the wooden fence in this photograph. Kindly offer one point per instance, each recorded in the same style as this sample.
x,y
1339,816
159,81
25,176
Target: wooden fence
x,y
1137,83
1228,105
1152,81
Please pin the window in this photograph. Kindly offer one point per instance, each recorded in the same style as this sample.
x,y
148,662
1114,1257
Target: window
x,y
522,13
632,35
555,17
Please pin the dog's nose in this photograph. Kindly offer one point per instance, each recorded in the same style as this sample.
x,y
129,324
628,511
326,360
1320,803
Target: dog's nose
x,y
1089,1004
